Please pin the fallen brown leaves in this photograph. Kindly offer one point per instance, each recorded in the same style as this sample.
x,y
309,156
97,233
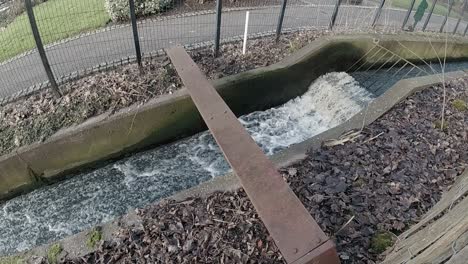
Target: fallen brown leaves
x,y
260,52
38,116
221,228
389,175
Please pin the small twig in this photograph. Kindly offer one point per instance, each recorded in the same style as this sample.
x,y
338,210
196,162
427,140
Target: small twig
x,y
133,122
444,102
372,138
344,226
460,188
364,118
348,137
232,210
412,52
221,221
435,52
186,202
129,93
395,244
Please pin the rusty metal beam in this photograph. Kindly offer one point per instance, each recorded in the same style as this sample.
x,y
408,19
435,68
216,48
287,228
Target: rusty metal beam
x,y
293,229
324,254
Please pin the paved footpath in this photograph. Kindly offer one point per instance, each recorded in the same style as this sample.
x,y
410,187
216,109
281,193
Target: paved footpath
x,y
117,43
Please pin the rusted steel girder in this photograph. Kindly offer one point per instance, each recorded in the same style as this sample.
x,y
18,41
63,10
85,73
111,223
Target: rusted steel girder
x,y
295,232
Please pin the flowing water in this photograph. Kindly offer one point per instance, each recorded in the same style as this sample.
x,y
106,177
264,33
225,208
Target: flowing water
x,y
88,199
380,80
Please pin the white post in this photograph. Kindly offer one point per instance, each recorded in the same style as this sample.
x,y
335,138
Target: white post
x,y
246,30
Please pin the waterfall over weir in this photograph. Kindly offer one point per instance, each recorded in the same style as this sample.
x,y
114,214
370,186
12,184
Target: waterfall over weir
x,y
91,198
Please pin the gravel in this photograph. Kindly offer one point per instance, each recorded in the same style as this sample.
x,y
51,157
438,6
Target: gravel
x,y
37,117
381,181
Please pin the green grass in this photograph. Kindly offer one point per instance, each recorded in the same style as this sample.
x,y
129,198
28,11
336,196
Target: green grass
x,y
438,9
57,20
381,241
11,260
459,105
53,253
404,4
93,238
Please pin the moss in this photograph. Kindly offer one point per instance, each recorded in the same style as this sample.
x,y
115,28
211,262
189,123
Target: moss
x,y
294,45
381,241
359,183
11,260
438,125
459,105
53,252
94,237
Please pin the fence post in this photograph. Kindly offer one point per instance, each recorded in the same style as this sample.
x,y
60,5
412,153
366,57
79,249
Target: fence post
x,y
377,13
219,7
460,18
466,29
136,39
279,26
40,49
334,15
446,16
408,13
434,2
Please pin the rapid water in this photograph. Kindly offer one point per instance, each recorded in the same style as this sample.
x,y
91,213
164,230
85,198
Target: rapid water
x,y
88,199
379,81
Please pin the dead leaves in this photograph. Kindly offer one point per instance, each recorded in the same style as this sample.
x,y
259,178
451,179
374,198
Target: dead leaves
x,y
232,60
38,116
386,176
222,228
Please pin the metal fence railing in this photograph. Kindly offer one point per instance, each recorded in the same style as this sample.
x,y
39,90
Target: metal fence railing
x,y
79,36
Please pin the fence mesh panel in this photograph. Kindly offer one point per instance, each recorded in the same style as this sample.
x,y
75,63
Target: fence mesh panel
x,y
81,35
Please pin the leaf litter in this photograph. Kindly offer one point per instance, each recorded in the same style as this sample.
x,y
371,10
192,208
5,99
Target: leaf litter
x,y
221,228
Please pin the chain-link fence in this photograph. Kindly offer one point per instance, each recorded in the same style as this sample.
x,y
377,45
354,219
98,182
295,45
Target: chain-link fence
x,y
80,37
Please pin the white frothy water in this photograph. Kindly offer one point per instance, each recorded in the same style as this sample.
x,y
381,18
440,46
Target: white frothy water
x,y
330,100
88,199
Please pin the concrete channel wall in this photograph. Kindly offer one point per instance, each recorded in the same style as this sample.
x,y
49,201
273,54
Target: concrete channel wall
x,y
171,117
76,245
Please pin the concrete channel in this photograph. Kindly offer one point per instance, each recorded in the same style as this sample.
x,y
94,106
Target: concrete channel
x,y
171,117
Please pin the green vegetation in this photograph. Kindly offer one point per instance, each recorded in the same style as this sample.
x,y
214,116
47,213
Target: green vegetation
x,y
438,125
57,20
53,253
11,260
438,10
294,45
381,241
459,104
94,237
119,10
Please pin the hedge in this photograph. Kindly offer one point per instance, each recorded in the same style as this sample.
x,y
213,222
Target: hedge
x,y
119,10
